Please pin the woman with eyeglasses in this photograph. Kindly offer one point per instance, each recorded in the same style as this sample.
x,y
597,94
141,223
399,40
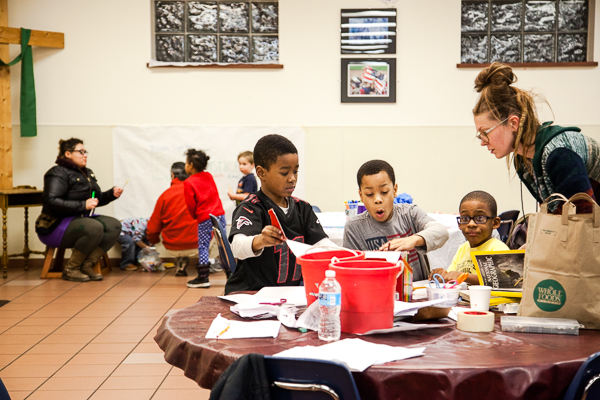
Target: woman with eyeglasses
x,y
548,158
71,194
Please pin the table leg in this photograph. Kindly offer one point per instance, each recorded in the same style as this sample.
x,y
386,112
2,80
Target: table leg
x,y
26,250
4,247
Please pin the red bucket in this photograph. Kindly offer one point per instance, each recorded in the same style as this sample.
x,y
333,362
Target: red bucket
x,y
315,264
368,290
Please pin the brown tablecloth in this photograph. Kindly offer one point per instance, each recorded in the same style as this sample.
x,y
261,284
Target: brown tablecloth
x,y
456,364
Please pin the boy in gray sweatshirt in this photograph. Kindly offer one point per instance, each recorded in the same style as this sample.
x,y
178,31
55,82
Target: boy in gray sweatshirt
x,y
388,226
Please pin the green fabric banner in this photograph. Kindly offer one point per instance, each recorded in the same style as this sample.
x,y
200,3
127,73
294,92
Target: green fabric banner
x,y
28,113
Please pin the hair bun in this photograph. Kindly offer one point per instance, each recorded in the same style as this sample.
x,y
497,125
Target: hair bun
x,y
496,75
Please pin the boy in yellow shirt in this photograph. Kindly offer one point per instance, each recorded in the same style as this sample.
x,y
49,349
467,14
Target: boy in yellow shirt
x,y
478,218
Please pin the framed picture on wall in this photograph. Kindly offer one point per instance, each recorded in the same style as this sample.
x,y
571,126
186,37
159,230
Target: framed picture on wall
x,y
367,31
368,80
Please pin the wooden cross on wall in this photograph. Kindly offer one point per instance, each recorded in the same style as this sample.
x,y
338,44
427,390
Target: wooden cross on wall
x,y
13,36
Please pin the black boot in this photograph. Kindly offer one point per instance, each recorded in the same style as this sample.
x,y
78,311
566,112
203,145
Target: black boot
x,y
201,280
181,264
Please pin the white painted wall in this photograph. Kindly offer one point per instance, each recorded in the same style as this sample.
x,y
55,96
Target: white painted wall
x,y
101,80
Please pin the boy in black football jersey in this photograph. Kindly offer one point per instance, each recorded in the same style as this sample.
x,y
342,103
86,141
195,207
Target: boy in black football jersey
x,y
264,258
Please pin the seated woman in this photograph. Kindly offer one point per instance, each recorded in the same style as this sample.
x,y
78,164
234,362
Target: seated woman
x,y
71,193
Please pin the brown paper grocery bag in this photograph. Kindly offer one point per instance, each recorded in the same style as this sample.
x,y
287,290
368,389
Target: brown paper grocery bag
x,y
562,264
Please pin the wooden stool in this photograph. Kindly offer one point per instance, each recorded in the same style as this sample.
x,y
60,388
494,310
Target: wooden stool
x,y
54,269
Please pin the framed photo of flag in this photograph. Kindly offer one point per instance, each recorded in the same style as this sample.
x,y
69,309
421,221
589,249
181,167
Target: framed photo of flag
x,y
368,80
367,31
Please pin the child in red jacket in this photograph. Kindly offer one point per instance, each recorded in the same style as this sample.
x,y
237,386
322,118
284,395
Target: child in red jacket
x,y
173,222
202,199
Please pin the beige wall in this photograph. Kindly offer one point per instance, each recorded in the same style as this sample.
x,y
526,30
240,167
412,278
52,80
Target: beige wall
x,y
100,80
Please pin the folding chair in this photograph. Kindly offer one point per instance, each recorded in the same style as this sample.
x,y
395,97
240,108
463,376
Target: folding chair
x,y
507,219
586,383
225,254
300,379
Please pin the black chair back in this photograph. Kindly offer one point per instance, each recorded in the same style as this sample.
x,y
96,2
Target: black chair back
x,y
225,254
507,220
586,383
305,379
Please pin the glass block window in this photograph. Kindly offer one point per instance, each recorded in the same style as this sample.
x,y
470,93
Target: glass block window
x,y
216,31
524,31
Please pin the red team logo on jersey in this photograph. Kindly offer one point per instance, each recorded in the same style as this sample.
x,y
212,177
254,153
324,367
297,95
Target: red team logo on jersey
x,y
241,221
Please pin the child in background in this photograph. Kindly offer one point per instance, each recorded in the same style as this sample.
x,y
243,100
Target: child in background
x,y
247,184
388,226
173,222
478,219
264,258
202,199
132,240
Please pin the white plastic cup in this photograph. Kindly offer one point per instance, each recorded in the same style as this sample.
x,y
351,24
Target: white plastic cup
x,y
451,296
480,297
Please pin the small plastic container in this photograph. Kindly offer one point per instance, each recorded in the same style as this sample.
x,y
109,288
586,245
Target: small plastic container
x,y
150,260
557,326
451,296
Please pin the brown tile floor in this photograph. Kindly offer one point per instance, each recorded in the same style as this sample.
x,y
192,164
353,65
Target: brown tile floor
x,y
94,340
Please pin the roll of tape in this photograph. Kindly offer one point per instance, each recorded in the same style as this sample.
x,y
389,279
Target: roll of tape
x,y
475,321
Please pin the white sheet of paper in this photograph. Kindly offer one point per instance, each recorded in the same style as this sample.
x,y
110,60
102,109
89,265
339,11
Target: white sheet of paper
x,y
401,326
454,311
357,354
292,294
299,249
248,299
310,317
402,308
253,310
240,329
390,256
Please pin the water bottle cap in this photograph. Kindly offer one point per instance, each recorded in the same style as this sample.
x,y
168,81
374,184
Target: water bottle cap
x,y
330,273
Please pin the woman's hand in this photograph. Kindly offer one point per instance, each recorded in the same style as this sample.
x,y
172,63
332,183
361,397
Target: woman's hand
x,y
117,191
91,203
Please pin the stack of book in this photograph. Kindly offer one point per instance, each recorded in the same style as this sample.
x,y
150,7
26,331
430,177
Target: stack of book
x,y
503,271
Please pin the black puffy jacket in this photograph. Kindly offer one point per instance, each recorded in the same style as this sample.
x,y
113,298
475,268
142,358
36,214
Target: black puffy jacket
x,y
67,187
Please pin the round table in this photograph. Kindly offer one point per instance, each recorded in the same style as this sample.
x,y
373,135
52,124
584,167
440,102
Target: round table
x,y
456,364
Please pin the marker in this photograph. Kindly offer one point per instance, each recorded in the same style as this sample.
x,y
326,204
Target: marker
x,y
224,330
92,210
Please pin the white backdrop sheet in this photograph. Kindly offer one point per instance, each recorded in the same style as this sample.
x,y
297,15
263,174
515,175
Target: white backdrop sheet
x,y
144,155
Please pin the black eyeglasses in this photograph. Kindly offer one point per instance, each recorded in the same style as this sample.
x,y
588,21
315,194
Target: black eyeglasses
x,y
82,152
479,219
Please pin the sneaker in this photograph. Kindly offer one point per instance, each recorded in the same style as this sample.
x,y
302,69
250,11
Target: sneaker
x,y
215,268
130,267
181,263
199,283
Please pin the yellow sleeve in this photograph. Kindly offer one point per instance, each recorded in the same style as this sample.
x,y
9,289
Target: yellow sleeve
x,y
460,254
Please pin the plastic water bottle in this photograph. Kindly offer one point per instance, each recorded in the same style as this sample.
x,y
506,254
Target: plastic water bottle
x,y
330,304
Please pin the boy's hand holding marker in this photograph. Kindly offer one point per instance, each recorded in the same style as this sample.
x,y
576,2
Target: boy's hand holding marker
x,y
269,237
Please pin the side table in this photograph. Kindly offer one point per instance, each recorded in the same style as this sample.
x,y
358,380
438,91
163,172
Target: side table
x,y
14,198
